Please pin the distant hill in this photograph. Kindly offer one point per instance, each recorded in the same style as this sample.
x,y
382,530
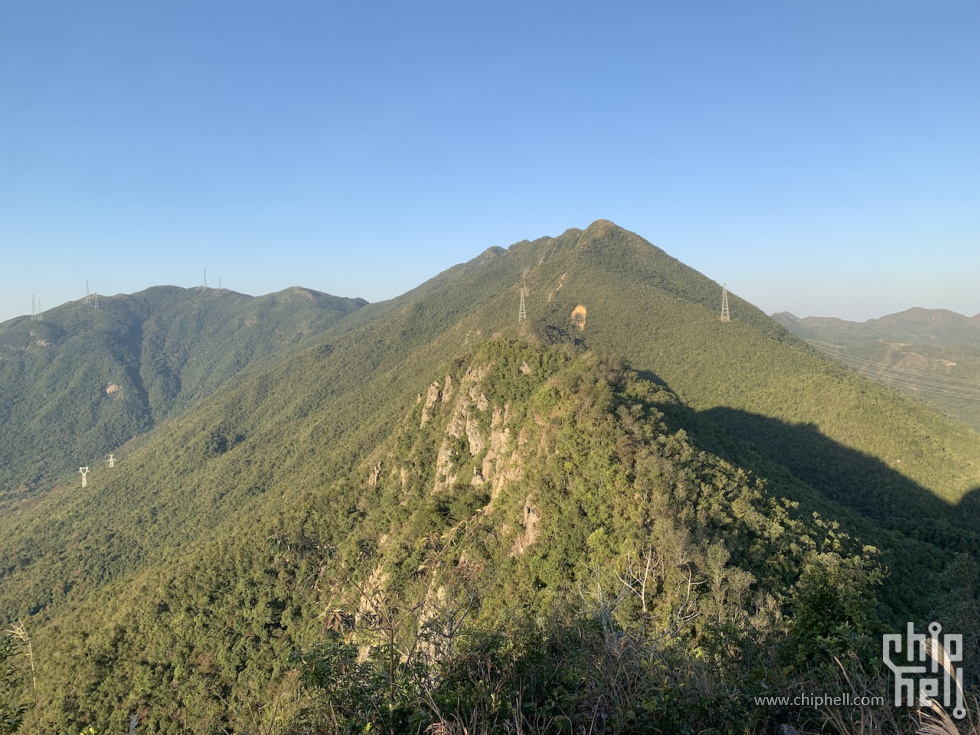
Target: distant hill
x,y
936,327
620,509
931,353
85,380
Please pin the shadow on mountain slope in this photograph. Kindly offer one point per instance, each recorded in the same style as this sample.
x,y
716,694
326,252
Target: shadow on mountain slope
x,y
917,532
969,506
653,378
856,480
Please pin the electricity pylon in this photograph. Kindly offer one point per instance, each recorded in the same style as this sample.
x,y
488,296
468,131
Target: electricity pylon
x,y
522,312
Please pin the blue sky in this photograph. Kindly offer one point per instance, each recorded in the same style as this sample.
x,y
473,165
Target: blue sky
x,y
819,156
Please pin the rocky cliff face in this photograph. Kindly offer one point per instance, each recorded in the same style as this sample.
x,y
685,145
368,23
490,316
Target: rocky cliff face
x,y
474,449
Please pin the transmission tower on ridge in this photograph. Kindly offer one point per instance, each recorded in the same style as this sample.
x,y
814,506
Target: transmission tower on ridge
x,y
84,471
725,316
205,278
88,300
522,313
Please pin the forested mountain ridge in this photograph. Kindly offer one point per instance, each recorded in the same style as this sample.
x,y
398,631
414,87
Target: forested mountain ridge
x,y
518,486
90,376
750,366
520,480
241,540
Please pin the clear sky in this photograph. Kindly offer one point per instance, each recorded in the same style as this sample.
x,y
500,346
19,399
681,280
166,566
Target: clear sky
x,y
819,156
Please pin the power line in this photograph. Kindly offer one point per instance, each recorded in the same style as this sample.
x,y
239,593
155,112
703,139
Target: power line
x,y
909,379
893,368
923,383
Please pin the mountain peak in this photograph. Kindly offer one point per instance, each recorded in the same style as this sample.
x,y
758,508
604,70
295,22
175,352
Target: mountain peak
x,y
301,292
787,315
601,226
491,253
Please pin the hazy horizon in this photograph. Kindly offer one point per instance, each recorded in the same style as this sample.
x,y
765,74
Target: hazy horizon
x,y
820,159
216,281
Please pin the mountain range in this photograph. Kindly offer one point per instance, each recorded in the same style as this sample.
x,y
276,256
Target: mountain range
x,y
330,516
91,376
933,354
938,327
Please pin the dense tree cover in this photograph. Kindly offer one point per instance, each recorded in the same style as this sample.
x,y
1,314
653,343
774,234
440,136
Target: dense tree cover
x,y
217,636
933,354
12,707
411,501
945,377
83,381
533,544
